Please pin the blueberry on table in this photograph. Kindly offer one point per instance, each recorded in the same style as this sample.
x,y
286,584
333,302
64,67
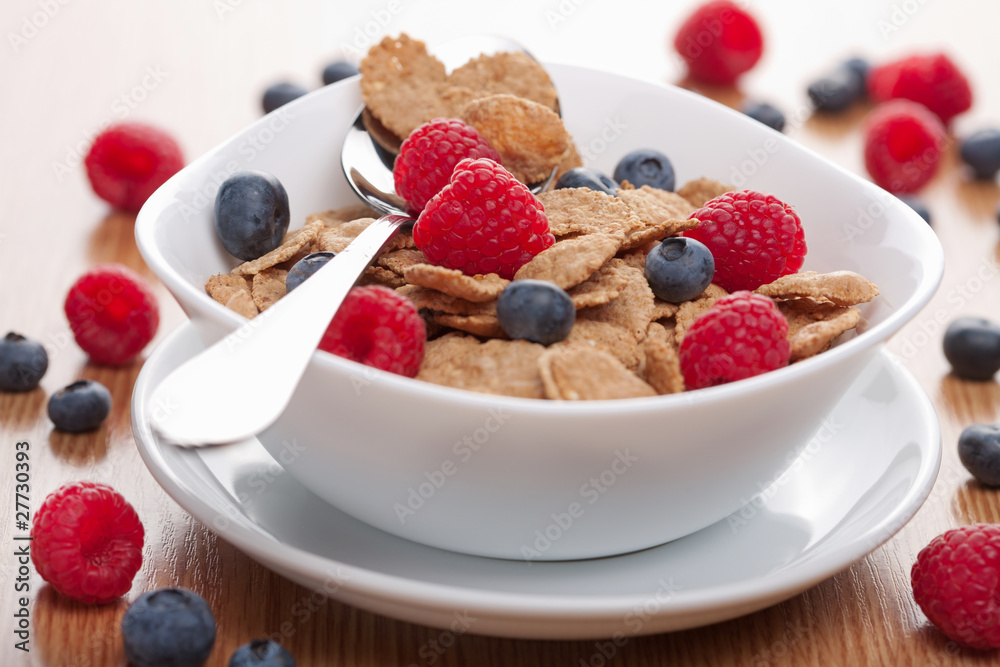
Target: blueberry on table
x,y
536,310
838,90
768,114
251,214
585,177
917,205
338,71
972,347
679,269
646,167
280,94
981,151
169,626
23,362
860,67
81,406
979,451
261,653
305,267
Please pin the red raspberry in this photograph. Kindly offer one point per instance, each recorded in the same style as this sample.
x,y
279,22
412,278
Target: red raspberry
x,y
719,42
484,221
113,313
754,237
956,582
429,155
740,336
903,145
377,327
129,161
932,80
87,542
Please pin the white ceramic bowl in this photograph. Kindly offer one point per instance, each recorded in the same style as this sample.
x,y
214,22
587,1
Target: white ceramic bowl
x,y
520,478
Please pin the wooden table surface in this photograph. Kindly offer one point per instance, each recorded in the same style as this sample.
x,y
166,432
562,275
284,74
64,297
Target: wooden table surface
x,y
197,68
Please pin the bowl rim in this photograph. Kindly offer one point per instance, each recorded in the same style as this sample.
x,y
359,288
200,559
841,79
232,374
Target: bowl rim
x,y
930,254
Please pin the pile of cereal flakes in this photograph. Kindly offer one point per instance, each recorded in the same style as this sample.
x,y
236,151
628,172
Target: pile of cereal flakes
x,y
624,342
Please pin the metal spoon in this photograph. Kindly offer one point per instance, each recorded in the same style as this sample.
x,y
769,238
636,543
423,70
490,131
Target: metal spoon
x,y
191,407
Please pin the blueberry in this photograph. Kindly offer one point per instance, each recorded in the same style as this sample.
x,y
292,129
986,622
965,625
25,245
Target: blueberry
x,y
338,71
536,310
280,94
766,113
972,347
838,90
917,205
170,626
860,67
23,362
646,167
679,269
81,406
262,653
981,151
979,451
251,214
585,177
305,267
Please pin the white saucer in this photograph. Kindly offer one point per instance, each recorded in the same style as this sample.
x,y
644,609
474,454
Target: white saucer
x,y
865,475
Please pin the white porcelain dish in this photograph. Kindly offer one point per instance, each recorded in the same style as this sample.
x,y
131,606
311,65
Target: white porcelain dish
x,y
825,514
538,480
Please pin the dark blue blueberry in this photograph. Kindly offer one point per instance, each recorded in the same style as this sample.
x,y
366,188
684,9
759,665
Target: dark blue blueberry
x,y
81,406
972,347
305,267
251,214
23,362
646,167
679,269
262,653
917,205
766,113
536,310
861,67
979,451
281,94
338,71
170,626
981,151
838,90
585,177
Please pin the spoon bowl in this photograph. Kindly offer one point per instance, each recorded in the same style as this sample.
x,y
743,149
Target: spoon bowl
x,y
370,150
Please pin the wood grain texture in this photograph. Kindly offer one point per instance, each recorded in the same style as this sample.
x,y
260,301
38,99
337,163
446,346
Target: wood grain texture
x,y
198,68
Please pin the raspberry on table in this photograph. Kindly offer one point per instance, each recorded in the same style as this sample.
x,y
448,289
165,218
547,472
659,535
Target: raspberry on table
x,y
903,145
719,42
127,163
956,582
483,221
113,313
377,327
754,237
931,79
429,155
740,336
87,542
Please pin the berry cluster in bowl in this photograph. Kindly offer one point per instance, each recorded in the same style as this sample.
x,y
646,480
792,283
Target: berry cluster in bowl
x,y
599,288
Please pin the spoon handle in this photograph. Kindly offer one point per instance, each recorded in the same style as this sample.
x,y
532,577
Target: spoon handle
x,y
240,385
